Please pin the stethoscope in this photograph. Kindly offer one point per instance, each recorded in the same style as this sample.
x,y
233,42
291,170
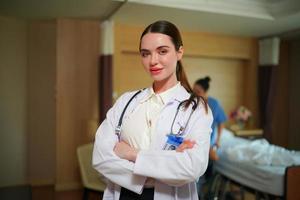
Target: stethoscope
x,y
119,126
174,139
182,106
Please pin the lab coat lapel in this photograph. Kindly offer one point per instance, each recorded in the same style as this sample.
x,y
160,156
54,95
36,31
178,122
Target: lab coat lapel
x,y
182,94
181,118
164,123
138,99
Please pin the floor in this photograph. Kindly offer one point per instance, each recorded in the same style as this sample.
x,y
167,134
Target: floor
x,y
22,192
234,193
48,193
26,192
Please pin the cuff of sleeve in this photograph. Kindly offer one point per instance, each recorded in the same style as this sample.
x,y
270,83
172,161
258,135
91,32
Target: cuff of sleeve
x,y
137,184
128,180
138,166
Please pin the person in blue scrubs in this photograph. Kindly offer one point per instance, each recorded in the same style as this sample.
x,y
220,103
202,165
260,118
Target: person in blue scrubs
x,y
201,87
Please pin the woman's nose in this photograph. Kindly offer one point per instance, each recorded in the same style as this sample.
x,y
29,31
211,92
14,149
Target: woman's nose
x,y
154,59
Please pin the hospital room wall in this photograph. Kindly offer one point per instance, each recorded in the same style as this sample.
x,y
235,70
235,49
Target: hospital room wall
x,y
49,96
13,100
41,75
77,95
63,98
231,61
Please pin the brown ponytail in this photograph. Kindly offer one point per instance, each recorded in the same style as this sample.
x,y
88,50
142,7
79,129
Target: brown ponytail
x,y
181,76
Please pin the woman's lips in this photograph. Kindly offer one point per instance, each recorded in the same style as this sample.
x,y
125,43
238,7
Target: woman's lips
x,y
155,71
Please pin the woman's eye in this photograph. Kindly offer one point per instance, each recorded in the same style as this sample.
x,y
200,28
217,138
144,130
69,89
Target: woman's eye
x,y
144,54
163,52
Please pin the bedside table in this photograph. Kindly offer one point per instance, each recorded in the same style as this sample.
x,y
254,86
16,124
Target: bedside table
x,y
248,133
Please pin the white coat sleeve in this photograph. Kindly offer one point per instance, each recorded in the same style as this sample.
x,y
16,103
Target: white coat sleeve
x,y
105,161
178,168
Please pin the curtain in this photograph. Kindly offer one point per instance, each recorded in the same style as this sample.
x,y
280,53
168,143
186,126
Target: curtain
x,y
267,84
105,97
274,98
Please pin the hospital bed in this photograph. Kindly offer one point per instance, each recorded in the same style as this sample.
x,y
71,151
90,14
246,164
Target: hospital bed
x,y
266,181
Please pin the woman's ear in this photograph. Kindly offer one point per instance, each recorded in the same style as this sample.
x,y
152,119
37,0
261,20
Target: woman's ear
x,y
180,53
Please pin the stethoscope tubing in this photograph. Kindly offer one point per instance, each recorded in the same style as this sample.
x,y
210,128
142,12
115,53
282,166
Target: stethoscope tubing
x,y
182,128
180,131
118,128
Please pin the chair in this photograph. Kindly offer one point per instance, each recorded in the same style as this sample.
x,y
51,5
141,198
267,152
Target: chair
x,y
91,179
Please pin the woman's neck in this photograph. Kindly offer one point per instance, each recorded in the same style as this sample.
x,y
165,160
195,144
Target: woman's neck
x,y
161,86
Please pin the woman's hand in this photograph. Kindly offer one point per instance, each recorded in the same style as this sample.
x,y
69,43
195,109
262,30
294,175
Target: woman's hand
x,y
125,151
186,144
218,142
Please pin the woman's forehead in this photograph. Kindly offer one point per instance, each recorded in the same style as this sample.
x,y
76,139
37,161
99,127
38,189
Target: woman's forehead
x,y
155,40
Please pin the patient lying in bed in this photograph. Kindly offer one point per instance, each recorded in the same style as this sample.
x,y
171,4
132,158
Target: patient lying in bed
x,y
261,152
254,163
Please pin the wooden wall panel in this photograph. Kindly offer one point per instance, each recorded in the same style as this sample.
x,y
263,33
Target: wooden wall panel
x,y
63,98
77,90
126,57
227,78
195,43
250,90
135,75
41,102
216,45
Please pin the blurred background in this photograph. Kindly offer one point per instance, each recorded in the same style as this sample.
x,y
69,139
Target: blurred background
x,y
63,63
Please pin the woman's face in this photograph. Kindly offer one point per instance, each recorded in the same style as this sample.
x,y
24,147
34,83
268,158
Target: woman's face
x,y
159,57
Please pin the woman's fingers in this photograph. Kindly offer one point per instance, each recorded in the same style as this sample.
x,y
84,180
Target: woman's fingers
x,y
121,149
187,144
125,151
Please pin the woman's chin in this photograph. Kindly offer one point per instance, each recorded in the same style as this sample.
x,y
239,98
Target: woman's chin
x,y
157,78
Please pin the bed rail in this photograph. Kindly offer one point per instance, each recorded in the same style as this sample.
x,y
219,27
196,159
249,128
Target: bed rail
x,y
292,183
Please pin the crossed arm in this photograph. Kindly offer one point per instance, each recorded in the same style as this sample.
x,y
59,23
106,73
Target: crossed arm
x,y
125,151
129,167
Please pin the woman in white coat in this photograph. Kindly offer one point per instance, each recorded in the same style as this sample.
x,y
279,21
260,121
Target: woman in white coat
x,y
136,161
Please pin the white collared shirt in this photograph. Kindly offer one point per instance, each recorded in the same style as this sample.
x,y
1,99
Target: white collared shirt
x,y
139,127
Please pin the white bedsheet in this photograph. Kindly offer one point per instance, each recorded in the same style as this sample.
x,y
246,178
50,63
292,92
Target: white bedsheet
x,y
260,173
260,152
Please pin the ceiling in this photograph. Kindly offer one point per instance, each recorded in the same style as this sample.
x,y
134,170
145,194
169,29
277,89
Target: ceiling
x,y
258,18
45,9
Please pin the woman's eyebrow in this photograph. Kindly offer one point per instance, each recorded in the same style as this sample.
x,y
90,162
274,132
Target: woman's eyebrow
x,y
144,50
160,47
163,47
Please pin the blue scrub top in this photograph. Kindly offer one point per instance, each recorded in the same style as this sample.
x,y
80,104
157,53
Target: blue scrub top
x,y
218,115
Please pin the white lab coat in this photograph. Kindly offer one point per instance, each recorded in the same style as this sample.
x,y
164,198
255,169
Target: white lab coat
x,y
175,172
